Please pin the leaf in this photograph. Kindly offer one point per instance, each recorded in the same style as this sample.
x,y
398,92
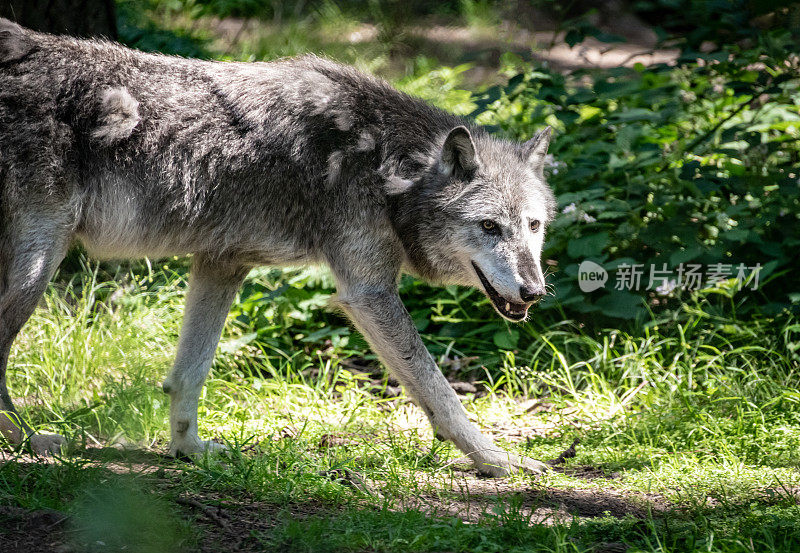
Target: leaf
x,y
421,318
621,305
604,215
588,246
735,235
685,255
232,346
635,114
581,96
506,339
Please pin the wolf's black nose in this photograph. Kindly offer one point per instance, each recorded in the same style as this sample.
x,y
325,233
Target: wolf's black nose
x,y
531,293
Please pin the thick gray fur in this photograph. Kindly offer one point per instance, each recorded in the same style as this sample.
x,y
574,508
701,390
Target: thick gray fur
x,y
243,164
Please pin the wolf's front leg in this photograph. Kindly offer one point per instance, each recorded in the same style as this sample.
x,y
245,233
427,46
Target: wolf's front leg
x,y
212,287
382,318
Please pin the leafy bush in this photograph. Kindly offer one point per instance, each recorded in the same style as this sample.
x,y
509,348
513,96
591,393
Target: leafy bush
x,y
692,163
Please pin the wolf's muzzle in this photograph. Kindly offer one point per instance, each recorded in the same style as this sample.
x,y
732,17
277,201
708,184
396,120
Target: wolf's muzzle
x,y
511,310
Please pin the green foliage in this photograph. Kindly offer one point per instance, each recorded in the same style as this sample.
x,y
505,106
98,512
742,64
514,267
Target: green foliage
x,y
442,86
695,162
719,21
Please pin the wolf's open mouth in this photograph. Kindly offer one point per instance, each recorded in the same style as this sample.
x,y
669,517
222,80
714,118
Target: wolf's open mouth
x,y
509,310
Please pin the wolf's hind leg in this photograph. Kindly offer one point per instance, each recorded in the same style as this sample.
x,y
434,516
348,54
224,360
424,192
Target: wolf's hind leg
x,y
380,315
212,287
31,248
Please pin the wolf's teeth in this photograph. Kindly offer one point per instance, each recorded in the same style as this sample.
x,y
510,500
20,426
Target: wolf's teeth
x,y
508,306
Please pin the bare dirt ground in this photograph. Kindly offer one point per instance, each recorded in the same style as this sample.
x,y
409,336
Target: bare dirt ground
x,y
534,38
233,523
472,497
227,524
39,531
484,50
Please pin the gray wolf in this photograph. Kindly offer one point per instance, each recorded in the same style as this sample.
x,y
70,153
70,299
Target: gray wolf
x,y
243,164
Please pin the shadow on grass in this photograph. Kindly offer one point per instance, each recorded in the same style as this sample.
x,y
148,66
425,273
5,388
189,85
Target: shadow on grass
x,y
508,530
144,501
78,504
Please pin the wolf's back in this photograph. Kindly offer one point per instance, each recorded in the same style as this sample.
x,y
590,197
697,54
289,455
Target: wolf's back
x,y
155,145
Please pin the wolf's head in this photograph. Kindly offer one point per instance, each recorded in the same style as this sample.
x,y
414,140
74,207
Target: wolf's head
x,y
477,216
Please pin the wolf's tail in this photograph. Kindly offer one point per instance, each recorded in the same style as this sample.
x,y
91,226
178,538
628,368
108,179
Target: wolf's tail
x,y
15,42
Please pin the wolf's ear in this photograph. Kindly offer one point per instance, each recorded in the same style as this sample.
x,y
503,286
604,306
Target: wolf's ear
x,y
458,153
535,149
14,44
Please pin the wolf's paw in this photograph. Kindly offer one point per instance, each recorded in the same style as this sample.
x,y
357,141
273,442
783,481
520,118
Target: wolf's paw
x,y
48,444
195,448
531,466
501,464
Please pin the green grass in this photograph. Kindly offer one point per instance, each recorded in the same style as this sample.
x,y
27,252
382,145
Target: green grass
x,y
692,414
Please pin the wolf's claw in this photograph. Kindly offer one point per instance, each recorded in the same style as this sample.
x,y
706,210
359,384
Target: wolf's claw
x,y
500,464
195,448
532,466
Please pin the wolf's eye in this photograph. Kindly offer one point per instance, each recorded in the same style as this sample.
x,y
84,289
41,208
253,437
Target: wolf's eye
x,y
489,227
535,225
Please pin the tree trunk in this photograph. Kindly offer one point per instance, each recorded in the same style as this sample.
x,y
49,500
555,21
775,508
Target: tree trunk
x,y
82,18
